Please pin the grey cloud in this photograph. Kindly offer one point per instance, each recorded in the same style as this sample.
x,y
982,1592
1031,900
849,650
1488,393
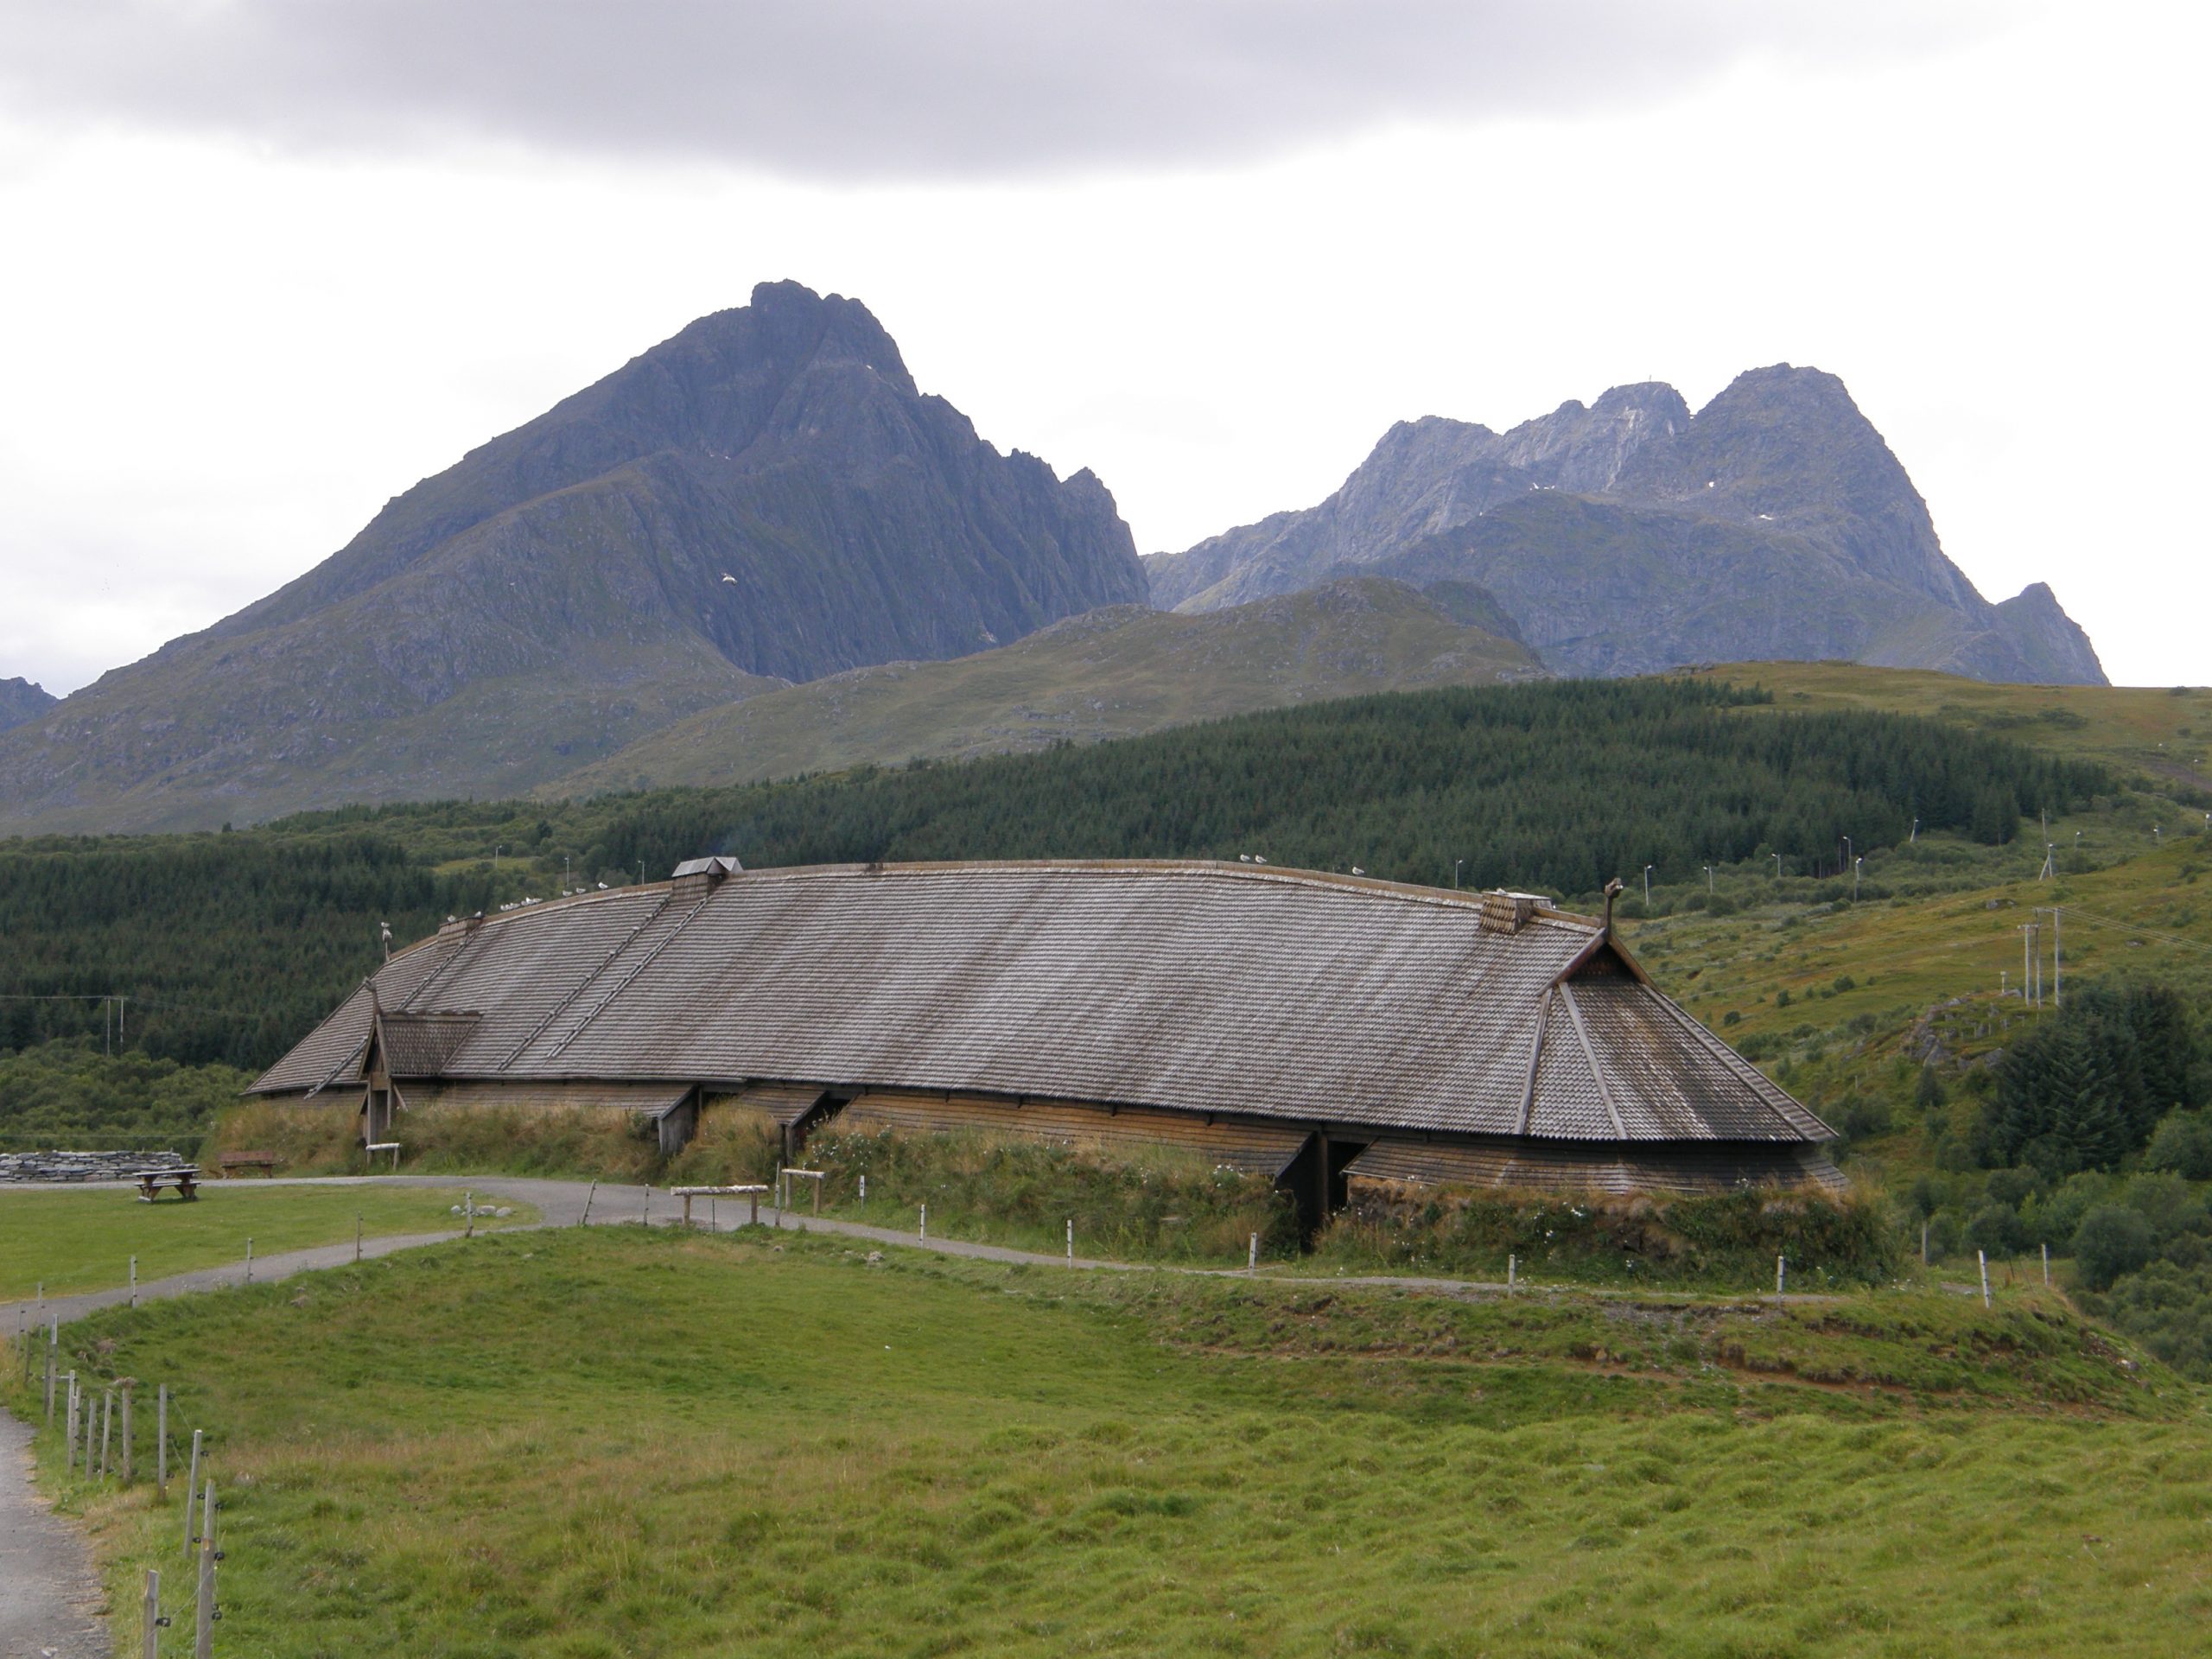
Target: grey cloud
x,y
863,89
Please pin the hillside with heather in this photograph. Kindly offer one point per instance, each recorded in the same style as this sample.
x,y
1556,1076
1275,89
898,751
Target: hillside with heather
x,y
1632,535
1113,672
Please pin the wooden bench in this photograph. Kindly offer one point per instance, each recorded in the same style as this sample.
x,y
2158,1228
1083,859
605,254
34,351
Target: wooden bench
x,y
688,1194
185,1180
369,1149
232,1161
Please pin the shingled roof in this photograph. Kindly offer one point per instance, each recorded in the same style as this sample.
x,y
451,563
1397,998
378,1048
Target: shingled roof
x,y
1223,988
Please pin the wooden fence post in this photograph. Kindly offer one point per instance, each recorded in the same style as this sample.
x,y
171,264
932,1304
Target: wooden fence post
x,y
107,1424
127,1386
2046,1266
161,1440
1512,1270
357,1241
134,1281
249,1260
584,1220
1781,1269
191,1486
69,1428
1984,1260
1251,1254
149,1642
203,1612
923,1236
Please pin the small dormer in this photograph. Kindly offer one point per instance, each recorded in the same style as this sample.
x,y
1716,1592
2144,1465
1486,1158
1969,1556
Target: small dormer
x,y
695,878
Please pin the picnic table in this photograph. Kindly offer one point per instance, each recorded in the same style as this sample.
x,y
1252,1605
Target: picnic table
x,y
185,1178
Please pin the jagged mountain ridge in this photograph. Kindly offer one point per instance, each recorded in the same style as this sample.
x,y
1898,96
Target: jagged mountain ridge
x,y
23,700
1631,536
765,497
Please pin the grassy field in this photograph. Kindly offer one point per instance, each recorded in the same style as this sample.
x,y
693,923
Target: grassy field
x,y
614,1443
74,1241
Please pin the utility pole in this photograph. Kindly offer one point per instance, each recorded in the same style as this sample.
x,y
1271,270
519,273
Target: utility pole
x,y
2050,868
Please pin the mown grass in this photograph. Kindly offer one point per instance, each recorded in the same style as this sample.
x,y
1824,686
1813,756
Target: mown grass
x,y
617,1443
71,1241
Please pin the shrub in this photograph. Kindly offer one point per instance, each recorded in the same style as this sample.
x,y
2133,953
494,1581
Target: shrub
x,y
1997,1229
2055,1216
2112,1241
2167,1202
2169,1310
2182,1144
1858,1115
2012,1187
1782,998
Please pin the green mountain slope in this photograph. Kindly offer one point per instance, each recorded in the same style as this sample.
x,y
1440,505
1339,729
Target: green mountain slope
x,y
1632,537
1111,673
765,496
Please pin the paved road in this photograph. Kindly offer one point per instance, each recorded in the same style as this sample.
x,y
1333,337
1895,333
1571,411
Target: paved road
x,y
50,1599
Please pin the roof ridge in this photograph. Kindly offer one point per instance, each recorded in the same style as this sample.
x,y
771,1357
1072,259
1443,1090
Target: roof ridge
x,y
1287,874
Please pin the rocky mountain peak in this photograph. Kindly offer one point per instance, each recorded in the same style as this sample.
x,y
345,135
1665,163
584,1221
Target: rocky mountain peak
x,y
763,497
23,701
1630,534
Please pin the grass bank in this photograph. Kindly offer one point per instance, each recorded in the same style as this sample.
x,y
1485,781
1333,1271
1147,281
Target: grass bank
x,y
73,1241
615,1443
1728,1241
1134,1203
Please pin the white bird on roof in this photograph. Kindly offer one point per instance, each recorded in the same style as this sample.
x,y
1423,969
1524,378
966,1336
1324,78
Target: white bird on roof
x,y
730,579
1355,870
1243,858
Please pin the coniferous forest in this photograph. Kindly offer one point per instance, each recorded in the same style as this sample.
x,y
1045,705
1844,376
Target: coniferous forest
x,y
227,947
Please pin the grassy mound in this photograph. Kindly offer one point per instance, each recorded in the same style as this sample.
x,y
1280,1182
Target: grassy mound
x,y
1725,1242
325,1140
1156,1205
613,1442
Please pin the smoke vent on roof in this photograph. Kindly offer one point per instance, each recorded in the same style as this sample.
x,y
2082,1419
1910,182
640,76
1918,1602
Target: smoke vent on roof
x,y
1509,913
697,877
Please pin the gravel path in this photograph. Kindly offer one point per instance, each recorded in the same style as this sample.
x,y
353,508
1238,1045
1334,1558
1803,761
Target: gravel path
x,y
50,1599
558,1202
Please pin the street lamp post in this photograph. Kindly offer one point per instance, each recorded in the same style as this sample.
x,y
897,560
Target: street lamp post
x,y
1646,887
1708,880
1855,863
1456,863
1777,866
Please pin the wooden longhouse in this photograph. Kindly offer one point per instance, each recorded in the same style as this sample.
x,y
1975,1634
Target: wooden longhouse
x,y
1324,1030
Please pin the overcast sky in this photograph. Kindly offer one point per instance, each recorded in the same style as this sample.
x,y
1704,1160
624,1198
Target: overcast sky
x,y
269,262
